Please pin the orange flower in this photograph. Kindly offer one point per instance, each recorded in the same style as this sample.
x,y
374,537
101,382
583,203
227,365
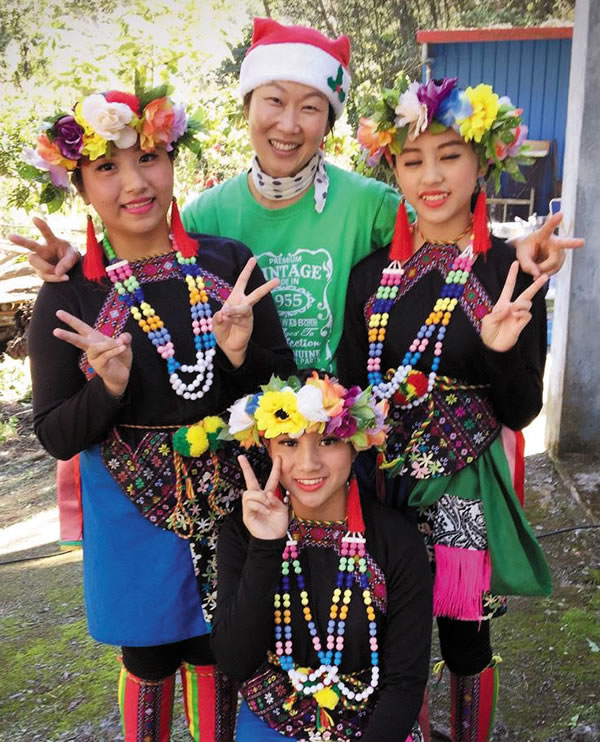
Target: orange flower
x,y
50,152
333,394
156,124
371,139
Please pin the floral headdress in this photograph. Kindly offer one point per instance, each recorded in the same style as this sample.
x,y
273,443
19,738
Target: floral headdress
x,y
320,405
96,124
478,114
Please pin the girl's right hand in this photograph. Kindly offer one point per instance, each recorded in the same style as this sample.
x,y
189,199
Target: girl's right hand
x,y
51,259
111,358
264,515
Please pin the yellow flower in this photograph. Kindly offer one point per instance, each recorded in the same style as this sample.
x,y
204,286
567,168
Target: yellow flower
x,y
485,109
94,146
78,116
198,440
277,414
326,698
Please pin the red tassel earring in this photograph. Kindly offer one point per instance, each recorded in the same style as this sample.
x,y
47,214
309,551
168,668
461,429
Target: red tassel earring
x,y
93,260
402,246
186,245
481,232
356,523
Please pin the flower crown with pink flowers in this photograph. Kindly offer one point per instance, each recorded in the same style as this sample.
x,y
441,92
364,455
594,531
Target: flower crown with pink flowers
x,y
320,404
478,114
96,124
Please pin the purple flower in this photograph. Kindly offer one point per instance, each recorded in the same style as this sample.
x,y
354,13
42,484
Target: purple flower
x,y
379,417
68,137
344,425
352,394
433,94
179,121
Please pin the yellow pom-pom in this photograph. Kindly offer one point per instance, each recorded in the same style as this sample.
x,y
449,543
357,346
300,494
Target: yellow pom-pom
x,y
198,440
326,698
212,423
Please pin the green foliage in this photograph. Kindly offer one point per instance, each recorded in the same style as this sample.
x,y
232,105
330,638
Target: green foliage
x,y
8,428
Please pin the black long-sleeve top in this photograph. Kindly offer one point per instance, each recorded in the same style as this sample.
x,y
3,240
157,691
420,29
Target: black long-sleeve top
x,y
248,571
71,414
515,376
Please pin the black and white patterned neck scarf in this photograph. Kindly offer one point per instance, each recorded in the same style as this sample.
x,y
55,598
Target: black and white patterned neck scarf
x,y
281,189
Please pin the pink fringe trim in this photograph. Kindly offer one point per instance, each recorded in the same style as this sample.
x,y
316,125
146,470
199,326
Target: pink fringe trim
x,y
461,578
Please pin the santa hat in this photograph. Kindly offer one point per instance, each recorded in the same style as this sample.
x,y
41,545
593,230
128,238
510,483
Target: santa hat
x,y
297,54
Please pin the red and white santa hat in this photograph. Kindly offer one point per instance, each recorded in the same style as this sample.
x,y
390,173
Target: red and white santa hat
x,y
297,54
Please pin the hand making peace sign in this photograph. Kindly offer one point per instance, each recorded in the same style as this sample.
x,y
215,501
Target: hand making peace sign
x,y
110,358
50,259
500,329
264,514
233,323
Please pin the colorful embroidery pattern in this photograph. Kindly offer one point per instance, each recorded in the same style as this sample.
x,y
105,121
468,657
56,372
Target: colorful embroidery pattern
x,y
455,522
443,434
329,536
114,314
475,301
270,695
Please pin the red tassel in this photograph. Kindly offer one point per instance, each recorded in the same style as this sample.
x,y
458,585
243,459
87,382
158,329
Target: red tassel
x,y
279,494
481,232
93,260
356,523
402,245
186,245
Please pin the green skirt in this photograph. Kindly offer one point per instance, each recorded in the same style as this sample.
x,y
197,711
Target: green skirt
x,y
518,564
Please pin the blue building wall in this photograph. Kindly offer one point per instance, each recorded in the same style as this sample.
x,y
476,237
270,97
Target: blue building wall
x,y
534,74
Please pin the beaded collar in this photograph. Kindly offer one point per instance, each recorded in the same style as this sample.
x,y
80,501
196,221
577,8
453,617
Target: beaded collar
x,y
326,684
406,385
280,189
131,293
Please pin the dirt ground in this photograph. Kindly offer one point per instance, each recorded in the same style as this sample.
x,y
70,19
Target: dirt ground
x,y
58,685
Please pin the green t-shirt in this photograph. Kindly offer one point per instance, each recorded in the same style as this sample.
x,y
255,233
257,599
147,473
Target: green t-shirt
x,y
312,254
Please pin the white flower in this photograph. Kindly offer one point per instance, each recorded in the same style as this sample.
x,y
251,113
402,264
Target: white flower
x,y
309,401
410,111
239,419
109,120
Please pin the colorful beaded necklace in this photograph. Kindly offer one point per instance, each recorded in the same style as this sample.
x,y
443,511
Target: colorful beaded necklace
x,y
352,559
406,384
131,293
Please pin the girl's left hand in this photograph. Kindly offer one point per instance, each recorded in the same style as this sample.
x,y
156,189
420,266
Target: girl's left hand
x,y
500,329
233,323
542,251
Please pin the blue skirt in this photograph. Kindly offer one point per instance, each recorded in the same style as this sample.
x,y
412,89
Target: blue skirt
x,y
140,587
251,728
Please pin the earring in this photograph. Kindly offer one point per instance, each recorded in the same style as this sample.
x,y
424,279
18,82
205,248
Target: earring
x,y
186,245
93,260
481,232
402,247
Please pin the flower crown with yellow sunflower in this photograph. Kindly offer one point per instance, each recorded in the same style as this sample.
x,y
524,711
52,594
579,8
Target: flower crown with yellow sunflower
x,y
96,124
319,404
478,114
